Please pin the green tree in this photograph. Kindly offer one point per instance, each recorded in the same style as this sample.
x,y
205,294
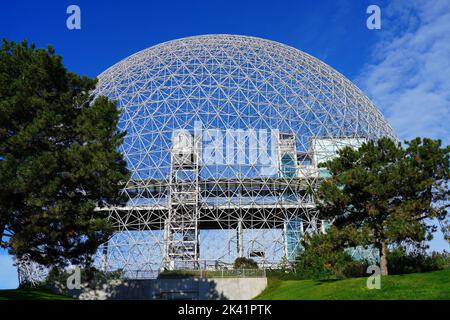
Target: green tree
x,y
387,191
59,158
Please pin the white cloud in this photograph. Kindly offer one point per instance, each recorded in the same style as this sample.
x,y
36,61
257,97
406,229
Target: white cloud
x,y
409,77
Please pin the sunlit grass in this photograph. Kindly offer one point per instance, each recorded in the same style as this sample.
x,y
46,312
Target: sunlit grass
x,y
429,285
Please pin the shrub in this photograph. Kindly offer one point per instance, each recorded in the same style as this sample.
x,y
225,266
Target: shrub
x,y
355,269
323,257
86,275
401,262
245,263
330,265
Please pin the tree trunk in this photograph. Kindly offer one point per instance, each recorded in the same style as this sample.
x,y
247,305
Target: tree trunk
x,y
383,258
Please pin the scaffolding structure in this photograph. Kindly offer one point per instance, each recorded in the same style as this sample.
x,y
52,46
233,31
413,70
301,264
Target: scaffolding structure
x,y
181,227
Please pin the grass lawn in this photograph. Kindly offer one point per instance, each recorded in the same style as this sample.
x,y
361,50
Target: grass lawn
x,y
429,285
31,294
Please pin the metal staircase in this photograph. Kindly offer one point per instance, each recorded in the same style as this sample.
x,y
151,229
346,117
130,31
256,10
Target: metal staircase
x,y
181,228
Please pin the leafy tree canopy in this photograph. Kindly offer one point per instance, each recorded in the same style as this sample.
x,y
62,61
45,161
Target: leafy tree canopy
x,y
59,158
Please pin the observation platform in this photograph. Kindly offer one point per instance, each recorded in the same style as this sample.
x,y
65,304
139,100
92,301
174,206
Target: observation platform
x,y
222,203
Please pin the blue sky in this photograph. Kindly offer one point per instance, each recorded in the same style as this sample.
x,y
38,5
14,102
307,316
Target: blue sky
x,y
404,67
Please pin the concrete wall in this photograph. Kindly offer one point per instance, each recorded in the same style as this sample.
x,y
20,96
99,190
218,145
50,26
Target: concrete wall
x,y
168,289
239,288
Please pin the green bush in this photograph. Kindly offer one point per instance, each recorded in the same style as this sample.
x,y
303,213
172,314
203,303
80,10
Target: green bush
x,y
329,265
401,262
323,257
245,263
355,269
86,275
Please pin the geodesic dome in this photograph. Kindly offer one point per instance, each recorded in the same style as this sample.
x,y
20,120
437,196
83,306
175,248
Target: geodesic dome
x,y
224,137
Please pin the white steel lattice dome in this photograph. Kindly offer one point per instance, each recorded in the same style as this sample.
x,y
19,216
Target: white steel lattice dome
x,y
224,134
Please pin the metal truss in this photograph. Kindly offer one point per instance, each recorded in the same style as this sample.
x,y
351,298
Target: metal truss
x,y
185,211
